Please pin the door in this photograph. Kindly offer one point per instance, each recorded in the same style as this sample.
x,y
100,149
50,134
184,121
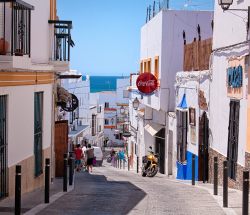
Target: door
x,y
170,152
61,145
203,147
233,135
3,148
160,149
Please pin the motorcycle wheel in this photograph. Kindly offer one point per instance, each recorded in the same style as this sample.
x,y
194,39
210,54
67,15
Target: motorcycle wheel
x,y
153,172
143,173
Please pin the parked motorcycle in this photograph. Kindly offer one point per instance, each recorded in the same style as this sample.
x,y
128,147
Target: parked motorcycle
x,y
150,164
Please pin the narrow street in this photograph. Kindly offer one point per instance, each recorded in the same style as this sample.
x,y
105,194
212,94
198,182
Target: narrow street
x,y
109,191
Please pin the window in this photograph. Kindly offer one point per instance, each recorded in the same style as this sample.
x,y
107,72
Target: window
x,y
145,66
99,109
149,65
106,121
141,67
157,67
38,133
233,133
106,105
181,135
93,125
100,128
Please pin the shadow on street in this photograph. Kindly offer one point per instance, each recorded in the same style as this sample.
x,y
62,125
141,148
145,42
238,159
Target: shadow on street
x,y
94,194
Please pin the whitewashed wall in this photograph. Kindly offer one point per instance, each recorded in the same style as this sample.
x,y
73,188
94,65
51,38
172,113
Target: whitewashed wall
x,y
191,89
162,36
21,120
229,29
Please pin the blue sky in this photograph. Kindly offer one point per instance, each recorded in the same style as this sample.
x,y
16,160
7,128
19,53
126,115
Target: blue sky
x,y
107,32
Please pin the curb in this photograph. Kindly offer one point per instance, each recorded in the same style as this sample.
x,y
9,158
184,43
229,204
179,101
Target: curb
x,y
53,198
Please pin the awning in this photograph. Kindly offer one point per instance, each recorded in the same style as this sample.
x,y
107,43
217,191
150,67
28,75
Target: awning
x,y
183,103
153,128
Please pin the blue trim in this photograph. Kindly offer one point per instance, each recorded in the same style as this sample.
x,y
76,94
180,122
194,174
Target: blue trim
x,y
184,171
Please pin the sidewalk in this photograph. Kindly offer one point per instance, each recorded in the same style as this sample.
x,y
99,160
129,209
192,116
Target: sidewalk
x,y
33,200
234,196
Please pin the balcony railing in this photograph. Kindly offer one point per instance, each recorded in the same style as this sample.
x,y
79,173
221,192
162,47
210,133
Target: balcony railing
x,y
15,31
62,40
197,55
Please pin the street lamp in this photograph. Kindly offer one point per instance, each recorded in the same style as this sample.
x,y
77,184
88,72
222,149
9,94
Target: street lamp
x,y
136,103
225,4
122,110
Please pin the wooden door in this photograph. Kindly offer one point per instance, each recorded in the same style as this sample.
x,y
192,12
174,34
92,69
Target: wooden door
x,y
61,145
203,148
160,149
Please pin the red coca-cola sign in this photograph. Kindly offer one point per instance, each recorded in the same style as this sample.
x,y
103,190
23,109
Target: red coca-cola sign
x,y
146,83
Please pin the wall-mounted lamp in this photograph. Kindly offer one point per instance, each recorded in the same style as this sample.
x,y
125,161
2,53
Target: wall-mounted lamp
x,y
225,4
136,103
122,110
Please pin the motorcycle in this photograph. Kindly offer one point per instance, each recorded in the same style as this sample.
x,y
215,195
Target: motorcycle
x,y
150,164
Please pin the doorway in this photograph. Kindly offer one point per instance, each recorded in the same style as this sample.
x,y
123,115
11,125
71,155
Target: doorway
x,y
203,147
3,148
160,149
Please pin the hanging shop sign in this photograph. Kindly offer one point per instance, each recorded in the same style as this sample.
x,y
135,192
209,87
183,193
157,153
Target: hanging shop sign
x,y
146,83
70,105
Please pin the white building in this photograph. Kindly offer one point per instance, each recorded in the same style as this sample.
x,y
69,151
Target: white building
x,y
115,112
229,99
79,120
96,116
27,93
191,124
162,55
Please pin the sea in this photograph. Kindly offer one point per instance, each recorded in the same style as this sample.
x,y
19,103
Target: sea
x,y
103,83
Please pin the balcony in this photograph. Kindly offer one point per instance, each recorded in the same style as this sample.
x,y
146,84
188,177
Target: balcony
x,y
15,33
62,43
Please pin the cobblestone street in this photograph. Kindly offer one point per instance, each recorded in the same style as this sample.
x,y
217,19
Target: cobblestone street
x,y
110,191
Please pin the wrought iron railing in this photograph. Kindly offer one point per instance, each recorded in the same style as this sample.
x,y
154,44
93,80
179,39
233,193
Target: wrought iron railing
x,y
62,40
15,34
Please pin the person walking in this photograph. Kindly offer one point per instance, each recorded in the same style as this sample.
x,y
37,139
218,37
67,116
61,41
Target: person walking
x,y
78,156
90,158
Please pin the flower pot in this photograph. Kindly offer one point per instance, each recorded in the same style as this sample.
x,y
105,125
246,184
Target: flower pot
x,y
4,46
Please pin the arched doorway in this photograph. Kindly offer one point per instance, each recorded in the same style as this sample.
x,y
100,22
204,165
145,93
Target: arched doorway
x,y
203,147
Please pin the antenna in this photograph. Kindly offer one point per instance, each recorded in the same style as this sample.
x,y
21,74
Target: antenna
x,y
154,9
149,12
166,4
147,16
199,32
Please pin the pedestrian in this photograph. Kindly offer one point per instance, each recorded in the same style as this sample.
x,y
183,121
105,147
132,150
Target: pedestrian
x,y
78,157
90,158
